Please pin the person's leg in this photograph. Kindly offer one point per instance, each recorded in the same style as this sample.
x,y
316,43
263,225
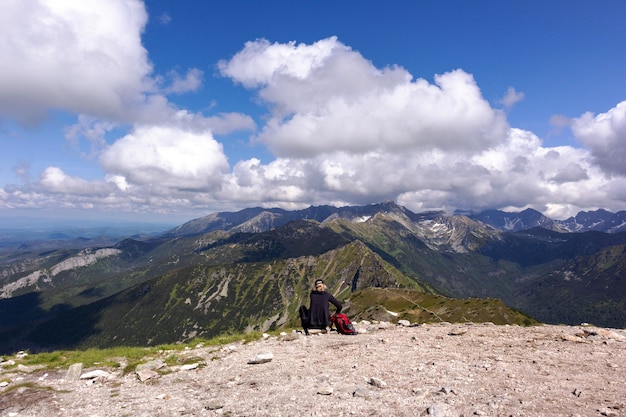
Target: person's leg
x,y
304,319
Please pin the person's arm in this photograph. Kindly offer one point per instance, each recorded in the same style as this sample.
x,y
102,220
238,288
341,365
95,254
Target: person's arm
x,y
335,302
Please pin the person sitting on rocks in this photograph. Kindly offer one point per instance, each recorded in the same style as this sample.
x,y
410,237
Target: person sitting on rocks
x,y
317,316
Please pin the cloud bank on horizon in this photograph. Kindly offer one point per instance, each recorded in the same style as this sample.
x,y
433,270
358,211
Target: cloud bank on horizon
x,y
340,130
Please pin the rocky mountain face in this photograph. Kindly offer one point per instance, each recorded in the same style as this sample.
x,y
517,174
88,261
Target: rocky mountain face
x,y
599,220
250,270
258,219
585,221
45,276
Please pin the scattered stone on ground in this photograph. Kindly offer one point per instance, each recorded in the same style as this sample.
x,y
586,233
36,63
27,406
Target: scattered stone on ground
x,y
405,370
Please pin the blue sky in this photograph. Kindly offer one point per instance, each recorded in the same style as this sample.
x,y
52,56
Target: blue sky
x,y
173,110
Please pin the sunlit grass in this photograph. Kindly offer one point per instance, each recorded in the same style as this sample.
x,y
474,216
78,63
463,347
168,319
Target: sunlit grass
x,y
227,339
129,356
29,385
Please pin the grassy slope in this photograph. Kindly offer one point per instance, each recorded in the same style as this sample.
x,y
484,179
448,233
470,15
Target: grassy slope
x,y
586,288
418,307
207,301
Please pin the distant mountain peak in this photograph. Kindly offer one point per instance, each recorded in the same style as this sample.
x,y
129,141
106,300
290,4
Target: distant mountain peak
x,y
599,220
257,219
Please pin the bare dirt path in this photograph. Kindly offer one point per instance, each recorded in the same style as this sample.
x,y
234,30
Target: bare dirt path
x,y
427,370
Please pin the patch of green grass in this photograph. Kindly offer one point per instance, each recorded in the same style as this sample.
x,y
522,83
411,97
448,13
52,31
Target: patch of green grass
x,y
29,385
131,356
422,307
227,339
90,357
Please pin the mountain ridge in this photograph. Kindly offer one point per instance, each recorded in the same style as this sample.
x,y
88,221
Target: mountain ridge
x,y
261,219
450,256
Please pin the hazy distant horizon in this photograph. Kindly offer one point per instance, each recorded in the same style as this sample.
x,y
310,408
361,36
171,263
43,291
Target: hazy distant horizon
x,y
14,218
17,230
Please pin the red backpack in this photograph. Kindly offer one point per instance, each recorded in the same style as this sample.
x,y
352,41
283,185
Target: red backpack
x,y
342,323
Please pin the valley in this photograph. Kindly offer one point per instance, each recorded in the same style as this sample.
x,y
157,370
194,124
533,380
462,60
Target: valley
x,y
251,270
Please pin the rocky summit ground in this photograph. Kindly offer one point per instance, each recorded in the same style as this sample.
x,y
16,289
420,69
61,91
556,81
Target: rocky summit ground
x,y
387,370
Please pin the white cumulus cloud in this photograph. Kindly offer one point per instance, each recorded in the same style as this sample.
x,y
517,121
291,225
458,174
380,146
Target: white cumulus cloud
x,y
511,97
605,135
82,56
342,131
167,157
54,180
326,97
190,82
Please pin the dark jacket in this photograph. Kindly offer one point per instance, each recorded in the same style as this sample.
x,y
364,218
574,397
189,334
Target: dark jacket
x,y
319,313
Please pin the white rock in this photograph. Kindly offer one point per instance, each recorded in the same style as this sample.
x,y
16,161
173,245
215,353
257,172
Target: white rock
x,y
146,374
74,372
98,373
362,393
214,404
288,337
570,338
457,331
154,364
189,367
377,382
418,392
261,358
610,334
